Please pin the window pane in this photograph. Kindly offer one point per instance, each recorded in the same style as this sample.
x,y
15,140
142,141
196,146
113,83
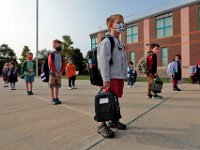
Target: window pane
x,y
132,56
135,38
168,21
169,31
135,30
93,46
159,23
128,31
164,56
129,40
160,33
93,40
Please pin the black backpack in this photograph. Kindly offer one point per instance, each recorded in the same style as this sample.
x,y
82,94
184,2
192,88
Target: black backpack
x,y
45,71
95,75
106,107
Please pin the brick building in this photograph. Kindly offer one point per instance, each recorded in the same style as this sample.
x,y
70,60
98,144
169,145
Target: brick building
x,y
177,30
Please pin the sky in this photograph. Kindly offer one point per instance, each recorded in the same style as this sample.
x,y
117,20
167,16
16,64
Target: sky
x,y
77,18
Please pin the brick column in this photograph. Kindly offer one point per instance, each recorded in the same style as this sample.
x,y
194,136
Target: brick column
x,y
146,35
185,40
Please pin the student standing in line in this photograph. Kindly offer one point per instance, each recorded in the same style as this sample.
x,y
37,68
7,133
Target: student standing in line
x,y
12,75
5,71
152,70
56,65
131,75
28,71
113,75
71,74
176,72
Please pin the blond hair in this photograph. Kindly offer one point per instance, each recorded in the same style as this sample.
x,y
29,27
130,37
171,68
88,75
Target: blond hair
x,y
112,18
55,42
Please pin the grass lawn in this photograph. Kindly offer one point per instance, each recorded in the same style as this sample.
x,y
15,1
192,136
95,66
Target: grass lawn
x,y
139,79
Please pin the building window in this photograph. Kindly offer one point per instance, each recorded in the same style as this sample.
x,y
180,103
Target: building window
x,y
132,33
164,25
164,56
94,42
132,57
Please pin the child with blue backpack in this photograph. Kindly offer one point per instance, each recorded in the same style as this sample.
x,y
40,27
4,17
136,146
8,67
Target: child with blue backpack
x,y
175,72
131,74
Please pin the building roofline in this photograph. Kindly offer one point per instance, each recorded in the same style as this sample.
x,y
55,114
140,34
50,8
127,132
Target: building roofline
x,y
154,14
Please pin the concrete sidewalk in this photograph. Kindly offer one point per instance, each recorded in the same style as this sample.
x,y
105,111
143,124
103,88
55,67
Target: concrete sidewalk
x,y
32,123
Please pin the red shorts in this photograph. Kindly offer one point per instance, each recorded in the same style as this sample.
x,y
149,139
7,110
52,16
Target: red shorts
x,y
117,86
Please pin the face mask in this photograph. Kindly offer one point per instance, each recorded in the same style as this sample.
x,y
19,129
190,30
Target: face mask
x,y
30,58
119,27
58,49
70,61
176,59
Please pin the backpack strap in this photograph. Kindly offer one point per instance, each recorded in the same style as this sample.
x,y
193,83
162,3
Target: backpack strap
x,y
52,56
112,43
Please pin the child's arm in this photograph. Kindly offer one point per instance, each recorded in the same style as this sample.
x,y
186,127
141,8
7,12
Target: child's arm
x,y
67,73
51,64
104,56
74,68
23,67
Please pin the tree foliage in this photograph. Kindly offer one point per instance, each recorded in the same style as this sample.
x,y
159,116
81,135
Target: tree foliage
x,y
75,53
23,54
6,55
66,44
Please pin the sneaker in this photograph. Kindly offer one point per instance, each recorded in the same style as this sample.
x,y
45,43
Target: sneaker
x,y
129,86
28,93
149,96
70,88
176,89
118,125
157,97
58,101
54,102
105,131
74,87
31,93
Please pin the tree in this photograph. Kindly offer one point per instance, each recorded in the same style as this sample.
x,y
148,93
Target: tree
x,y
87,56
42,56
6,55
23,54
66,44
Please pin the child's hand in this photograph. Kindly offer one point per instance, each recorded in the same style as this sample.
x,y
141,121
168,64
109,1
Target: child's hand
x,y
57,75
60,74
106,85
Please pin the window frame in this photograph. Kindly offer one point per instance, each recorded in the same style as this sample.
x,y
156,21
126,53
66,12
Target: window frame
x,y
164,27
167,57
133,34
95,44
133,60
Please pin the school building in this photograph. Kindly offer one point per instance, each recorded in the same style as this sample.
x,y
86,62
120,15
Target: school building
x,y
177,30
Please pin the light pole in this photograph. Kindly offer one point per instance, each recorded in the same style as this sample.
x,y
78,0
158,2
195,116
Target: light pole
x,y
36,38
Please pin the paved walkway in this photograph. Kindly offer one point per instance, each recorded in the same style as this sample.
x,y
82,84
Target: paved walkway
x,y
32,123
